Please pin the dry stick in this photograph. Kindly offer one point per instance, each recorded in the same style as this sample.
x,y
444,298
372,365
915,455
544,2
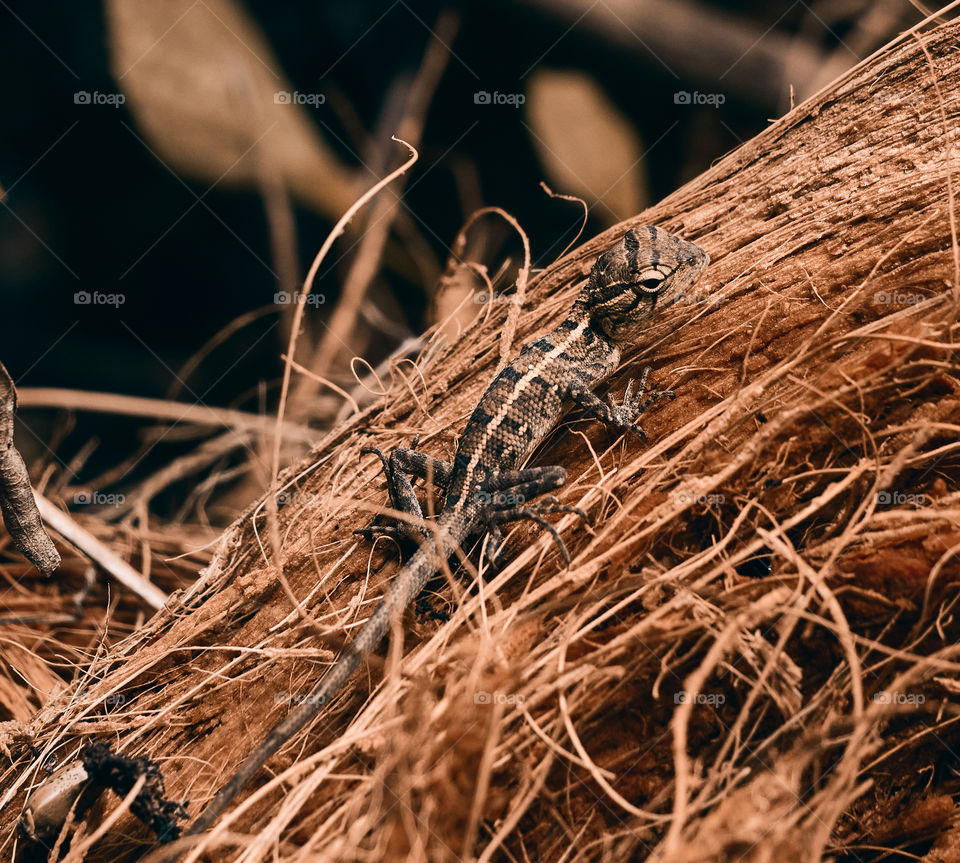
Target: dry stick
x,y
63,524
370,251
199,495
160,409
20,513
68,719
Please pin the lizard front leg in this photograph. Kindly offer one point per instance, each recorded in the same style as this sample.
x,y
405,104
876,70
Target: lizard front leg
x,y
618,415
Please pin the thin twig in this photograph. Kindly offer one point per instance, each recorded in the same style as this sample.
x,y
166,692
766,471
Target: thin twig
x,y
93,548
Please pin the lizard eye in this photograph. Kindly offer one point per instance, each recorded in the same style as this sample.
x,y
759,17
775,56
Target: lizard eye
x,y
650,281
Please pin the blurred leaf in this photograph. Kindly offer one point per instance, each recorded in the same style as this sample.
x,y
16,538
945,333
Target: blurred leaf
x,y
212,102
587,147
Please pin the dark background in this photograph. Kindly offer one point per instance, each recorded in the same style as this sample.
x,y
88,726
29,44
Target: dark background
x,y
87,206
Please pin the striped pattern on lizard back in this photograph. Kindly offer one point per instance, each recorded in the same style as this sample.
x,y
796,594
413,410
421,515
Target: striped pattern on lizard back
x,y
524,403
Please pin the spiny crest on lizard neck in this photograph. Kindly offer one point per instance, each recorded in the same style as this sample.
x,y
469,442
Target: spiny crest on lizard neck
x,y
647,268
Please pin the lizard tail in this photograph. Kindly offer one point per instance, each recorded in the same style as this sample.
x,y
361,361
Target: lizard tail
x,y
403,589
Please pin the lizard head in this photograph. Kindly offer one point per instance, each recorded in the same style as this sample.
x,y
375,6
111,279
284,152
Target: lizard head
x,y
647,268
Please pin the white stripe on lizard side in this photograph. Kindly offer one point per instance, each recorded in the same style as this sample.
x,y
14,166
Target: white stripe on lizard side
x,y
518,387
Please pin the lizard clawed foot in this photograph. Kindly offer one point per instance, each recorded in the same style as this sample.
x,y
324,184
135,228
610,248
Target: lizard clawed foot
x,y
526,513
549,505
379,453
634,404
398,466
535,513
622,414
377,527
494,551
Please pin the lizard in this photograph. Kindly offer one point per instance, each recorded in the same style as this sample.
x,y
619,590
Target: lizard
x,y
486,484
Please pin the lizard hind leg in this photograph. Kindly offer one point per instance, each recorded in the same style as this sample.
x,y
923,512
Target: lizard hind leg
x,y
533,513
402,463
506,497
